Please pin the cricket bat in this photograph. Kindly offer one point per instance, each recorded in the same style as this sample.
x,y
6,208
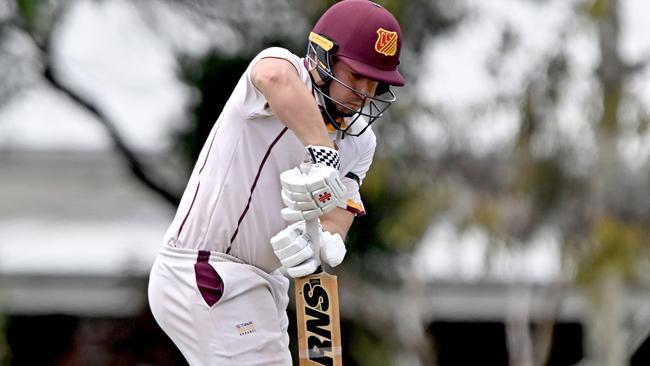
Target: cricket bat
x,y
317,310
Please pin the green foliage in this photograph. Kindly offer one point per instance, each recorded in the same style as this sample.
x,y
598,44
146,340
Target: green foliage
x,y
489,215
543,180
616,245
399,209
644,123
528,126
40,17
213,78
29,11
611,102
411,216
599,9
367,350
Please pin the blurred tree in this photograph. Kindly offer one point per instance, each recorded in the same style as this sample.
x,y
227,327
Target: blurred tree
x,y
34,25
585,188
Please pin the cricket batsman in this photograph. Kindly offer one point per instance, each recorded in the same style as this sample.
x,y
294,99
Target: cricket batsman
x,y
218,287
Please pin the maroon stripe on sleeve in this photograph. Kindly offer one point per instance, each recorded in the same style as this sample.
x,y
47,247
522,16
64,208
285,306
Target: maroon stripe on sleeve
x,y
208,280
250,197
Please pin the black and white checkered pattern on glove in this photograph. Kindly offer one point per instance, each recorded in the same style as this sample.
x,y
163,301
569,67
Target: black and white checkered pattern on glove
x,y
324,155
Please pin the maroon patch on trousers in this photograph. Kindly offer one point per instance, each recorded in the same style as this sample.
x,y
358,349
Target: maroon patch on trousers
x,y
207,279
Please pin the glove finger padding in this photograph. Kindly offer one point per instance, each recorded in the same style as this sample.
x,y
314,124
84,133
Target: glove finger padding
x,y
292,246
291,215
306,268
295,252
332,250
288,196
302,205
304,254
312,194
285,237
293,181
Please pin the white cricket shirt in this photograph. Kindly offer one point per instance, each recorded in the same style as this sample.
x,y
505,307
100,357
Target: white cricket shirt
x,y
232,201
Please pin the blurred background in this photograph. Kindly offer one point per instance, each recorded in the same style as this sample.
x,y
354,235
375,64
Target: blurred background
x,y
508,205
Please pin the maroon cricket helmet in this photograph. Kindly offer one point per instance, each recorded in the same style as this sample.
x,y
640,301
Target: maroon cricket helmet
x,y
368,39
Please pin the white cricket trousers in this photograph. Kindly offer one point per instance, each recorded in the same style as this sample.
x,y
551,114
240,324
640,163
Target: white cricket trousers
x,y
219,310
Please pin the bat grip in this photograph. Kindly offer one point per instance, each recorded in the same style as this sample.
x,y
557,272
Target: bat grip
x,y
312,227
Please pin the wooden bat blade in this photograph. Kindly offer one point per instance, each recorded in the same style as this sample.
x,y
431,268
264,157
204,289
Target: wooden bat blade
x,y
319,329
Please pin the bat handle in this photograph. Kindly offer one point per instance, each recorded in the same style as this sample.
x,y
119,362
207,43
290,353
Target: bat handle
x,y
312,227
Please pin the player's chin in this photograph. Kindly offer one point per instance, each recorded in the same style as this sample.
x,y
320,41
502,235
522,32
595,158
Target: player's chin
x,y
349,109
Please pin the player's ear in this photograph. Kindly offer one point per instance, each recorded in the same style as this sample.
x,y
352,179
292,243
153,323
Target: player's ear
x,y
335,60
382,88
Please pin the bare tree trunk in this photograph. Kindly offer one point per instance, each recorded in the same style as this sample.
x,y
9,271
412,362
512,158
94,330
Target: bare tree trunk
x,y
412,332
605,329
528,346
605,320
543,335
518,338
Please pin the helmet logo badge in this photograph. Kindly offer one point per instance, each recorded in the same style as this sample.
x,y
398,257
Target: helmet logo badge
x,y
386,43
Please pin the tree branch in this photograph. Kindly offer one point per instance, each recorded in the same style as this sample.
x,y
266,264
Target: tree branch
x,y
136,166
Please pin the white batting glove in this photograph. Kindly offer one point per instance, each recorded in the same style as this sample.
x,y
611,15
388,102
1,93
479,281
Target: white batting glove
x,y
293,247
332,248
308,196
